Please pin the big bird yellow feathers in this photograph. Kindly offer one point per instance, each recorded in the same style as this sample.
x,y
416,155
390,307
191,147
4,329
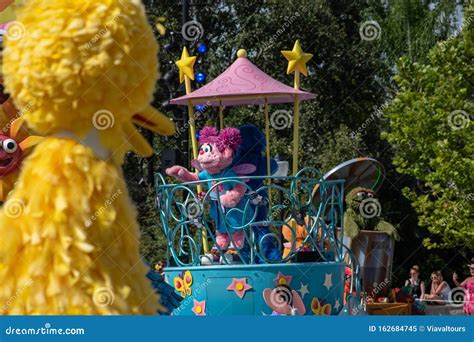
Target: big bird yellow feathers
x,y
69,234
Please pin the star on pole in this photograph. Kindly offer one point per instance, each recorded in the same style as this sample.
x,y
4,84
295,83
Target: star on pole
x,y
297,59
186,65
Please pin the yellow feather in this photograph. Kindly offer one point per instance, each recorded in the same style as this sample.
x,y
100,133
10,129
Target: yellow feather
x,y
78,264
69,226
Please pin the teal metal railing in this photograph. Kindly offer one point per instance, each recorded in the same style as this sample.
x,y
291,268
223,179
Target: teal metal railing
x,y
185,215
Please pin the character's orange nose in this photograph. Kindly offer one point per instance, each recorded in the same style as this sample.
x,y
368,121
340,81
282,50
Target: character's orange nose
x,y
201,152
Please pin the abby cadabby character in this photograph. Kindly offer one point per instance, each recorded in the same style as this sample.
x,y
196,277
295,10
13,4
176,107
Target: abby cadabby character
x,y
228,208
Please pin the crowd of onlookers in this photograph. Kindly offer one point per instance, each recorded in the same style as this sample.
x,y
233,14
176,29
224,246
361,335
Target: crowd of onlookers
x,y
439,290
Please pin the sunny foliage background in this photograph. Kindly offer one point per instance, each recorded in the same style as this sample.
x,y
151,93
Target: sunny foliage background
x,y
364,89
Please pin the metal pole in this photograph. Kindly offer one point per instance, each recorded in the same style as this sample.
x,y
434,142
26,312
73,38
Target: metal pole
x,y
186,123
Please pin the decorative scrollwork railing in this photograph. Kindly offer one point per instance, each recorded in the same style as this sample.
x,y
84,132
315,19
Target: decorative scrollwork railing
x,y
186,216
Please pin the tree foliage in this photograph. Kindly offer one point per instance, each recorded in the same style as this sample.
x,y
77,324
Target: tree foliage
x,y
433,139
352,78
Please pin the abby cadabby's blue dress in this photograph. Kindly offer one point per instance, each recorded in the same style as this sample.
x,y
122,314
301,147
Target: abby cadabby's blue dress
x,y
228,220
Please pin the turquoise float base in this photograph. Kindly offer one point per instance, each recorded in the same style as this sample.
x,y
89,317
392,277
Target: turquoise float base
x,y
209,289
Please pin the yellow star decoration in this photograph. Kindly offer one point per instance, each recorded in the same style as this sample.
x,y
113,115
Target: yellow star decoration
x,y
186,65
297,59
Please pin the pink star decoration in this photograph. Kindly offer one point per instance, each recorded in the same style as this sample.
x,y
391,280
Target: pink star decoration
x,y
240,286
199,308
282,279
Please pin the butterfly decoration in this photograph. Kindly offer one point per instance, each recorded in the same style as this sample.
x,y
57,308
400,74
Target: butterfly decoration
x,y
183,282
319,309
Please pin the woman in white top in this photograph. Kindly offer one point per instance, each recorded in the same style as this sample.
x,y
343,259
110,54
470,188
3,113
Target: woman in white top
x,y
440,289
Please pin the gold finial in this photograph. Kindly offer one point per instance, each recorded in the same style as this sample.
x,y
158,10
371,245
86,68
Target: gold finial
x,y
242,53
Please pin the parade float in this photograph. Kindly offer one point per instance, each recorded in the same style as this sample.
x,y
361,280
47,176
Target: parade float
x,y
317,274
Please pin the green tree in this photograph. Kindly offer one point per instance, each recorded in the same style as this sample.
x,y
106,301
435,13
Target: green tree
x,y
351,76
433,139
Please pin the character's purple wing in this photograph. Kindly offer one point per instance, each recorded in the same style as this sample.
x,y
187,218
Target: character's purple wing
x,y
196,164
244,169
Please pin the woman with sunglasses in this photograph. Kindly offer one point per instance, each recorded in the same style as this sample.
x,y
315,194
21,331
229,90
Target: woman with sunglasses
x,y
415,283
440,289
468,285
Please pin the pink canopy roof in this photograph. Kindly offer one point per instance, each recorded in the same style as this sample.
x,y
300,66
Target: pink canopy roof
x,y
242,84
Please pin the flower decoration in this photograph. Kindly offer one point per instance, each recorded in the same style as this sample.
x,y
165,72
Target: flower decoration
x,y
199,308
282,279
239,286
319,309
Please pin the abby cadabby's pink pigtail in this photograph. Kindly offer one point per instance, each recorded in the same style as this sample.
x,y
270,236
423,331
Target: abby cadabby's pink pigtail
x,y
229,138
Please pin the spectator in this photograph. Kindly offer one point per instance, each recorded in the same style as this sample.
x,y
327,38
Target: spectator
x,y
440,289
415,283
468,285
